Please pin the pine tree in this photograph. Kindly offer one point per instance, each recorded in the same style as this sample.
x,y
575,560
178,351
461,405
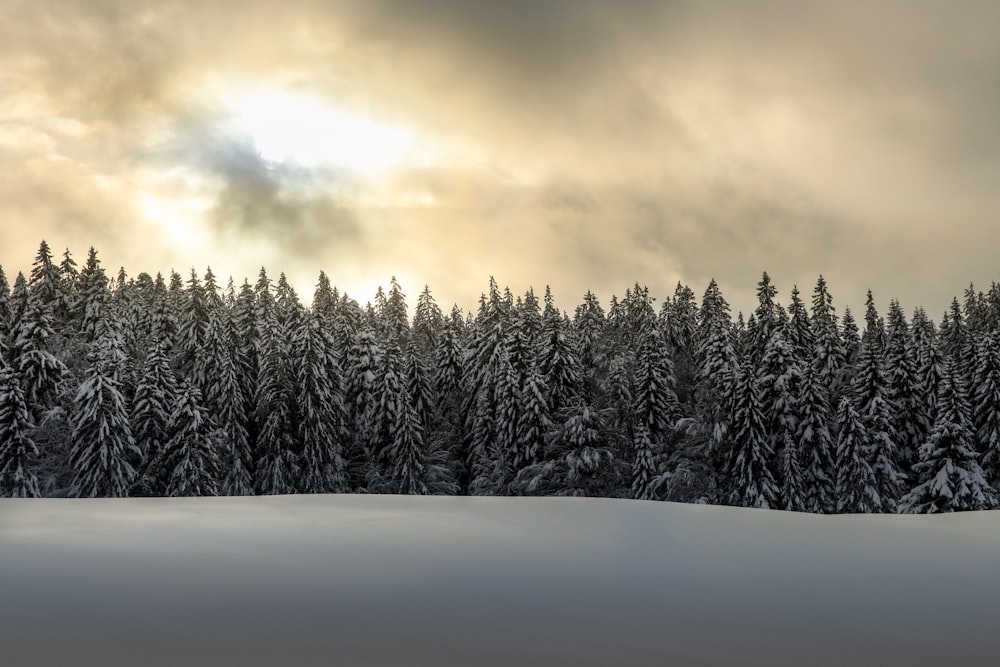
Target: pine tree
x,y
363,361
779,377
41,373
986,404
154,399
45,283
949,477
816,446
191,457
751,483
277,464
18,452
427,322
800,333
856,485
93,297
320,409
901,390
101,439
560,362
717,367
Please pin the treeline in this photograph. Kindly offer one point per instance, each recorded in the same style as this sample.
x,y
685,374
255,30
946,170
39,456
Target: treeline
x,y
149,386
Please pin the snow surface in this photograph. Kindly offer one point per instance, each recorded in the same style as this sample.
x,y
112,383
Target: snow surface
x,y
404,580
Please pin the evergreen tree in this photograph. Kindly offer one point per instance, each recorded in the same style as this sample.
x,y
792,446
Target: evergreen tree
x,y
901,389
277,464
816,446
986,404
41,373
949,476
154,399
93,297
18,452
717,366
191,457
751,483
320,409
45,283
856,485
101,438
779,377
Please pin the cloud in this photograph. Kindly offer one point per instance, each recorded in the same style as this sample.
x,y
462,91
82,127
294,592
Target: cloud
x,y
574,142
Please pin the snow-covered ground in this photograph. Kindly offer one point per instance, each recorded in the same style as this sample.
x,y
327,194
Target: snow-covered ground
x,y
383,580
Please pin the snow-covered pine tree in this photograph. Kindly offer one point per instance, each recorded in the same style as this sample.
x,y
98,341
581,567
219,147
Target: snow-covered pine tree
x,y
800,333
18,453
320,412
226,402
533,421
45,283
765,317
394,317
851,340
277,465
578,461
40,373
717,368
986,404
751,483
877,419
816,446
363,361
828,356
929,369
656,407
155,395
856,486
589,323
779,377
427,322
682,334
93,297
5,311
191,454
101,439
901,386
949,476
560,363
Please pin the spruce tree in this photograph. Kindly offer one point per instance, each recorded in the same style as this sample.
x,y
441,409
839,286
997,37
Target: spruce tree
x,y
154,400
949,476
986,404
856,485
191,458
319,408
101,439
816,446
18,452
751,483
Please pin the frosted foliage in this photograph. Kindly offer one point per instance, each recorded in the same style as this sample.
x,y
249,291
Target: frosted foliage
x,y
17,450
102,438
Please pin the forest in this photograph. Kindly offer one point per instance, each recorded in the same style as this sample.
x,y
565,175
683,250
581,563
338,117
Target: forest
x,y
115,386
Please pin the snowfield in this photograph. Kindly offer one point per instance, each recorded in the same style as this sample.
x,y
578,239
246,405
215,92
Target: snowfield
x,y
404,580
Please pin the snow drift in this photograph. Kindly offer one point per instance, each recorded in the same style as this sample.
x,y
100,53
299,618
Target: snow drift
x,y
382,580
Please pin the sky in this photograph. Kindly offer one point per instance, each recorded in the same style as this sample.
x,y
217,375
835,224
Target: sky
x,y
579,144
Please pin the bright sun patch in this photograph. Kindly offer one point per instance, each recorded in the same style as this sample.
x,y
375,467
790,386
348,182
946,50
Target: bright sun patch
x,y
304,130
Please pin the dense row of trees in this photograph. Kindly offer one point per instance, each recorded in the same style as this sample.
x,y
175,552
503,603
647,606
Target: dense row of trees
x,y
153,386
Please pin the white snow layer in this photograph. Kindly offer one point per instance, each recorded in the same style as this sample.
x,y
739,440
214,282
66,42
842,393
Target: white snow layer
x,y
404,580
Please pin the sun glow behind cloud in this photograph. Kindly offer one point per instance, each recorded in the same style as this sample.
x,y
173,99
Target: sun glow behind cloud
x,y
291,127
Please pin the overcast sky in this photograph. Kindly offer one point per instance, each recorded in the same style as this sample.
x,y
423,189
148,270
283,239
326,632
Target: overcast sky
x,y
586,145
